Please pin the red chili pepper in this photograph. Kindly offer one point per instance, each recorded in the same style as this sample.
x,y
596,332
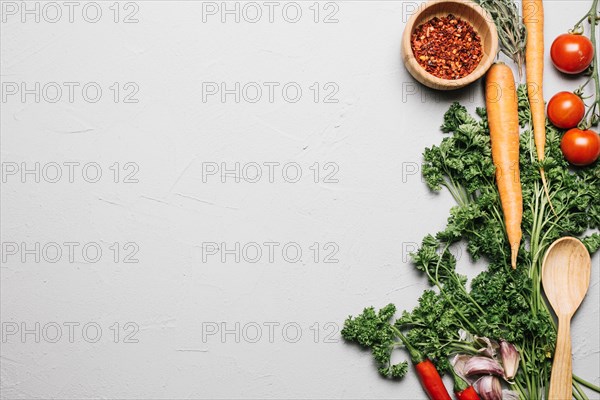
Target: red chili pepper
x,y
467,394
432,381
428,375
462,389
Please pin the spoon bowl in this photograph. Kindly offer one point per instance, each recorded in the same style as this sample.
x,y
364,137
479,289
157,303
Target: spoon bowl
x,y
566,275
566,278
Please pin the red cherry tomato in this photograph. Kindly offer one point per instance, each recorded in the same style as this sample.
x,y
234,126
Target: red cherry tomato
x,y
572,53
565,110
580,147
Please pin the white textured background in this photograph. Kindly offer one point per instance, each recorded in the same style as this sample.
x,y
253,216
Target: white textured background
x,y
374,134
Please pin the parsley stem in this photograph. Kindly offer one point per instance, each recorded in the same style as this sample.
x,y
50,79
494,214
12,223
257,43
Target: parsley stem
x,y
580,391
545,380
439,286
586,383
525,374
462,346
520,389
415,355
460,284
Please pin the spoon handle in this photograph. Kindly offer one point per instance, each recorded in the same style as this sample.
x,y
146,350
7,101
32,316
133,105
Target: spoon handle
x,y
561,382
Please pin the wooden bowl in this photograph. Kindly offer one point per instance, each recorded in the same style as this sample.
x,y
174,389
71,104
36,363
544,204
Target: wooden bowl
x,y
468,11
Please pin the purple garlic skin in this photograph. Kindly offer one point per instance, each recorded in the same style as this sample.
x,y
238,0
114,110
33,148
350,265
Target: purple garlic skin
x,y
489,388
489,348
483,366
510,359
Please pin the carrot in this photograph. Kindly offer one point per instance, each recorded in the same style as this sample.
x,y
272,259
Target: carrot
x,y
503,120
533,18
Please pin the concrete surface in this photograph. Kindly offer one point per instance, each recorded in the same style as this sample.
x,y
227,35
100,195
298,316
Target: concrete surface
x,y
134,294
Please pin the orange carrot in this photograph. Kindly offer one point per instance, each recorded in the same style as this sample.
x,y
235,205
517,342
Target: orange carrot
x,y
503,120
533,18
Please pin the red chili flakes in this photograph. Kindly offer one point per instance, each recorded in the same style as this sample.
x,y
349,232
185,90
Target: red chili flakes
x,y
447,47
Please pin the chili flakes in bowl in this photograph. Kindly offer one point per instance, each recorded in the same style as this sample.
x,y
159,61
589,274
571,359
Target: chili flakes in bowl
x,y
447,47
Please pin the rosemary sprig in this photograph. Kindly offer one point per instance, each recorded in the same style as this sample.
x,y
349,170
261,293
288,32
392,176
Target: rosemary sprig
x,y
511,30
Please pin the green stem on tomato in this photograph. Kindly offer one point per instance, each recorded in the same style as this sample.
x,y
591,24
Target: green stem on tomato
x,y
577,28
592,115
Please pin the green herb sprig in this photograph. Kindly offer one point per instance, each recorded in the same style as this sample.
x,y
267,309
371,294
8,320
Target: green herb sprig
x,y
511,30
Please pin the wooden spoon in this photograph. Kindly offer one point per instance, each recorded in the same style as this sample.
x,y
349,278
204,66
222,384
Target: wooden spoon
x,y
566,278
